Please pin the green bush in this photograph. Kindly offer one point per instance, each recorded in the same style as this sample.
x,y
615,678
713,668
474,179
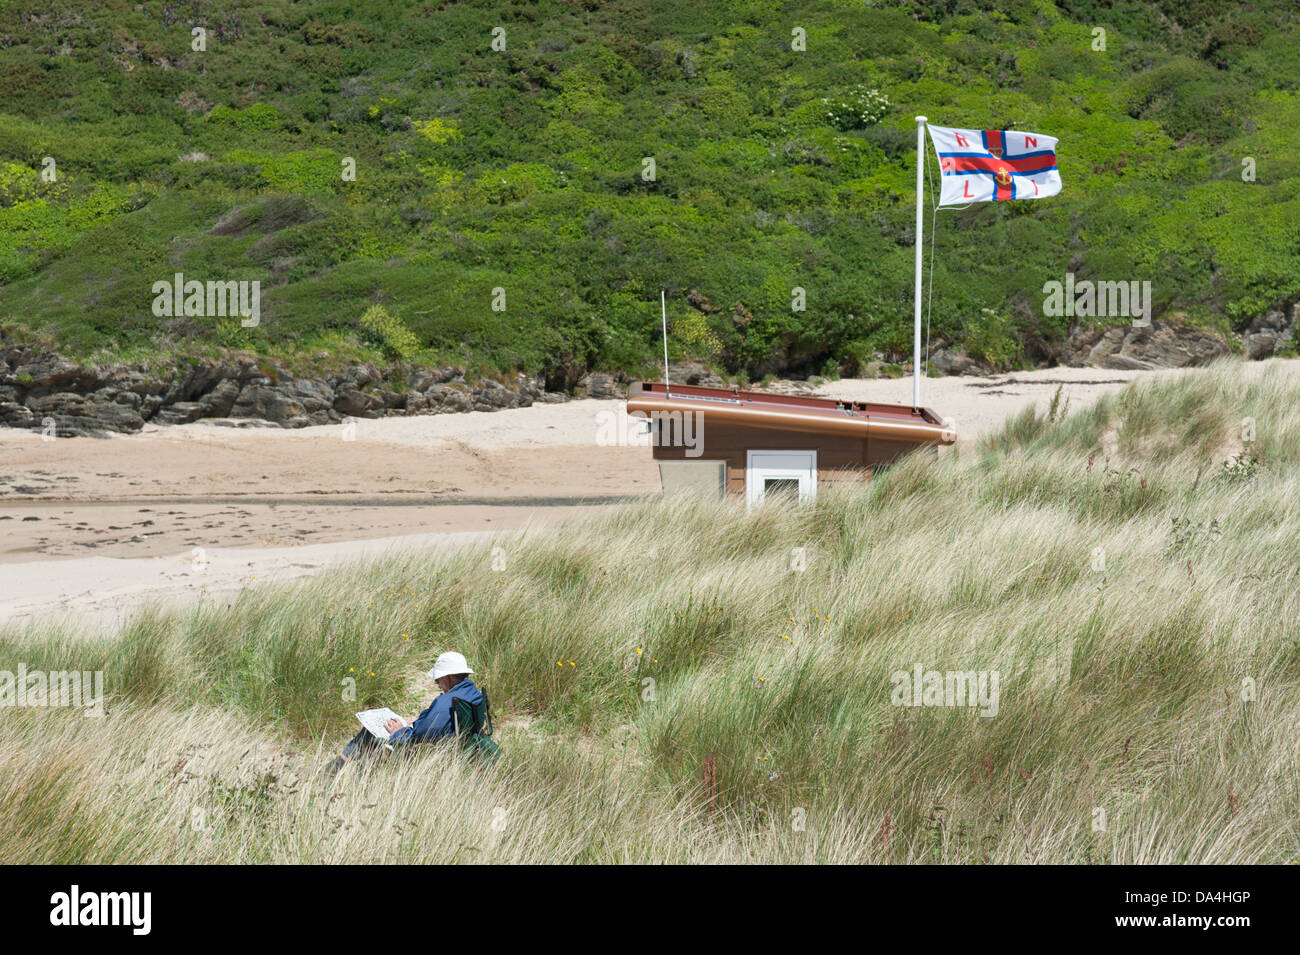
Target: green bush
x,y
991,338
388,331
258,116
309,171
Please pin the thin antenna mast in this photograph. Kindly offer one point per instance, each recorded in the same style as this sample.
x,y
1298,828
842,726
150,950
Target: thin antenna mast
x,y
663,304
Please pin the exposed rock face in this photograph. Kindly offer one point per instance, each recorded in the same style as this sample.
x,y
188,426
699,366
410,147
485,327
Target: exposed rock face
x,y
600,385
787,386
218,402
690,373
41,389
696,298
103,410
1162,344
1271,332
955,361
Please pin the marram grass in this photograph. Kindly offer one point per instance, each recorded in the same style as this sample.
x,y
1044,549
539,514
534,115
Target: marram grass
x,y
669,686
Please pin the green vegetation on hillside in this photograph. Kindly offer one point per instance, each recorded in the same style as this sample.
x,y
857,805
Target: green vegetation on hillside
x,y
523,170
670,686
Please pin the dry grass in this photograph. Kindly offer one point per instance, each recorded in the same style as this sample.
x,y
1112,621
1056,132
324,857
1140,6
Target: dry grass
x,y
1121,686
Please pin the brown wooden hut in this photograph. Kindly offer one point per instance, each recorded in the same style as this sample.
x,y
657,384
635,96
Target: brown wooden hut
x,y
752,443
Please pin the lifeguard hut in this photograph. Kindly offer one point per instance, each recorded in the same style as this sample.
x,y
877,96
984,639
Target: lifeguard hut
x,y
751,443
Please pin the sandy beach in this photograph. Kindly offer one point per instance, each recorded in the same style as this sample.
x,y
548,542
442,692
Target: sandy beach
x,y
94,528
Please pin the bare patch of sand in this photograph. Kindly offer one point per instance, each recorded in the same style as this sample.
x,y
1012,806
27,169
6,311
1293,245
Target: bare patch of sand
x,y
99,593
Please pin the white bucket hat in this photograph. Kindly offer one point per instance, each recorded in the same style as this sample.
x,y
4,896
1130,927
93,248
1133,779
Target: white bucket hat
x,y
449,664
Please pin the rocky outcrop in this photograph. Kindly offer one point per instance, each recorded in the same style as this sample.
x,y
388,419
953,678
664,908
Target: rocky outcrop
x,y
1162,344
697,300
948,360
690,373
41,389
600,385
1271,332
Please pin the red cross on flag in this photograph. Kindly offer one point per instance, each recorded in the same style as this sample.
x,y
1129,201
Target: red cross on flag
x,y
990,165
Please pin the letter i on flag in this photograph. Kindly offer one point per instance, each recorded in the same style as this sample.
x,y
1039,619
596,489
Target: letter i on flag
x,y
991,165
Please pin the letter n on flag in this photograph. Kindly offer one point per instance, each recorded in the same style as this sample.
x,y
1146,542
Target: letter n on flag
x,y
990,165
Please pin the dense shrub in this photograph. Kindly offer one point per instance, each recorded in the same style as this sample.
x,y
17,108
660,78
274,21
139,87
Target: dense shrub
x,y
388,331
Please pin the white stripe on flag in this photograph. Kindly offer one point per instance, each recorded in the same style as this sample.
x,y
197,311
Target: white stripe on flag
x,y
971,170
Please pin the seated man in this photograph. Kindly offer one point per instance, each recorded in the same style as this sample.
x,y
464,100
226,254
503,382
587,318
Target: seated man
x,y
451,673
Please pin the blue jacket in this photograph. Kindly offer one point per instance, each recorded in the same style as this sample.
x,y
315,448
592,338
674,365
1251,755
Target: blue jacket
x,y
435,722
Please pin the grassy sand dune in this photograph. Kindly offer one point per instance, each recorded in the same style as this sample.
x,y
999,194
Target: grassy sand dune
x,y
685,682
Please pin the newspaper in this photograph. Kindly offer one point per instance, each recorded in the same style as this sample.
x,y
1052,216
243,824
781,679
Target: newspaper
x,y
374,721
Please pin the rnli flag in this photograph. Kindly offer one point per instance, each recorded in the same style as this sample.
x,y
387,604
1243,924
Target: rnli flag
x,y
990,165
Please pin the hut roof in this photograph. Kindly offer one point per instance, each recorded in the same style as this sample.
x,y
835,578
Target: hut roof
x,y
758,409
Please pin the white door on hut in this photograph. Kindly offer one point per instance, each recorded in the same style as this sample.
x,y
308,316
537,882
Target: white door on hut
x,y
780,472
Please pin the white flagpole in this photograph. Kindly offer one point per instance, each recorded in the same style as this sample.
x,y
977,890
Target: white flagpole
x,y
663,305
920,224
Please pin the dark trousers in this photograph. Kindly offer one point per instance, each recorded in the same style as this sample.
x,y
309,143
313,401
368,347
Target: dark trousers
x,y
364,743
